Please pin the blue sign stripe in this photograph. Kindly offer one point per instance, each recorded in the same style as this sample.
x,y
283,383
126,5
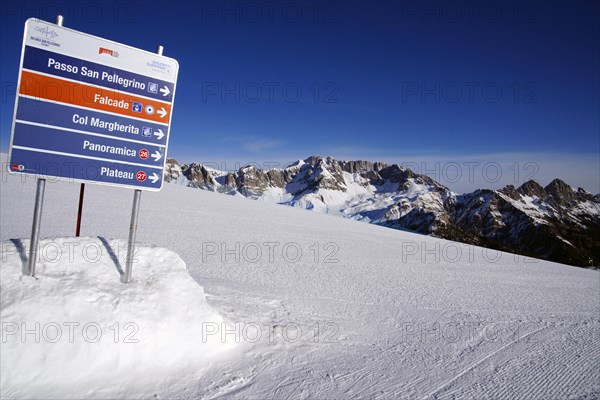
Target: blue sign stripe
x,y
85,145
44,112
81,169
102,75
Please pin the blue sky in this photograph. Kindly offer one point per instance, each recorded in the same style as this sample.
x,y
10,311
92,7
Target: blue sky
x,y
433,85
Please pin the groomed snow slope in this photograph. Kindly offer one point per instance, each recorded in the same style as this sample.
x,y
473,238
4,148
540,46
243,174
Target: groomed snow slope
x,y
347,309
74,331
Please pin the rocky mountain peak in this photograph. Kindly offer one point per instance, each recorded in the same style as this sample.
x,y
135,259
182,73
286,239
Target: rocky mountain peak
x,y
199,174
395,173
512,192
361,166
532,188
561,192
172,170
319,161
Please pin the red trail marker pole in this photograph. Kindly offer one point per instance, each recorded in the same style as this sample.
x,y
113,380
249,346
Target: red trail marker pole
x,y
79,209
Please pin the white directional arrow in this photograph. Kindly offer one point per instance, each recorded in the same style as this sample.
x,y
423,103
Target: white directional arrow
x,y
165,91
156,155
159,134
154,177
162,112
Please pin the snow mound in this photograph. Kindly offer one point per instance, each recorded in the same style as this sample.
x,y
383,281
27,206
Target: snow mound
x,y
76,331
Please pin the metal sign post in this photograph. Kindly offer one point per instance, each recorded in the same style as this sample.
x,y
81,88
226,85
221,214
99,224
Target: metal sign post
x,y
37,211
135,210
35,228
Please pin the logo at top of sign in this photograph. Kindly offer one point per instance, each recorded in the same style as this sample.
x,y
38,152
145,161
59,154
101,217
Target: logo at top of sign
x,y
46,32
159,65
103,50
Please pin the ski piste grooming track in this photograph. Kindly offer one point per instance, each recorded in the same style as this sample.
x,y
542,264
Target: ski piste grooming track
x,y
511,328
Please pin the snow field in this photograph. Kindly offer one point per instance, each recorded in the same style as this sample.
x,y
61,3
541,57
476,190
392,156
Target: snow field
x,y
76,331
381,313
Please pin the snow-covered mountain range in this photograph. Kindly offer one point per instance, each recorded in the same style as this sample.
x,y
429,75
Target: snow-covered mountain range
x,y
554,222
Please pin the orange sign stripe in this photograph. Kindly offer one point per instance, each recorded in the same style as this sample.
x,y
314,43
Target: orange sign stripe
x,y
83,95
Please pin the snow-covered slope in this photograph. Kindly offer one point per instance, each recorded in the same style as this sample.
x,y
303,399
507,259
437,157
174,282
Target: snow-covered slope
x,y
75,331
325,307
554,223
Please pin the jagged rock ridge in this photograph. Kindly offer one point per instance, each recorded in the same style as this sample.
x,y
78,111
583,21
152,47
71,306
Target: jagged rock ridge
x,y
553,222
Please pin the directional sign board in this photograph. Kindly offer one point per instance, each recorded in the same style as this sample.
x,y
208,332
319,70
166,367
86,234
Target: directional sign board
x,y
91,110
